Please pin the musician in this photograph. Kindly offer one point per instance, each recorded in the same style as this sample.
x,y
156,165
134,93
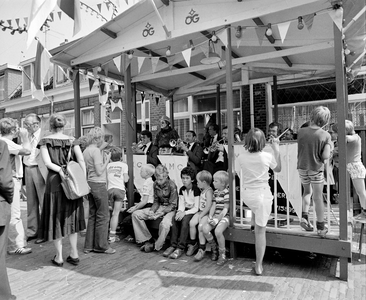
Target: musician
x,y
222,162
147,148
193,150
165,135
274,130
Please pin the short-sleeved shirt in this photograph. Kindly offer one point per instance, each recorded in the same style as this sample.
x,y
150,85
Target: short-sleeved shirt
x,y
203,199
189,199
255,166
311,143
148,190
115,171
353,150
220,198
15,158
93,157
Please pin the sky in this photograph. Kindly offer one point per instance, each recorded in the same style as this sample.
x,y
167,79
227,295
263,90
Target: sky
x,y
13,48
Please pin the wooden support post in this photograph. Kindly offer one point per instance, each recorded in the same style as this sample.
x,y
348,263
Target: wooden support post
x,y
129,133
77,103
134,111
171,106
342,108
218,108
274,97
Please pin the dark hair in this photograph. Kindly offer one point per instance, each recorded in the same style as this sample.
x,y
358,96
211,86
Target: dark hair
x,y
306,124
188,171
193,133
147,133
215,127
274,124
57,121
116,153
255,140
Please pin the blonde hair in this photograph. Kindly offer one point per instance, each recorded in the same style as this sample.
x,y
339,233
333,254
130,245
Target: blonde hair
x,y
350,129
161,170
204,176
255,140
149,168
320,116
222,176
94,135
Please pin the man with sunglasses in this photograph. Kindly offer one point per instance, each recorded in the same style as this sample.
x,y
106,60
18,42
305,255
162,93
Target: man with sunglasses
x,y
34,181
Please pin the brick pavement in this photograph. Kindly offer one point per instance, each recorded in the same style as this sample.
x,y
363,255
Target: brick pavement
x,y
131,274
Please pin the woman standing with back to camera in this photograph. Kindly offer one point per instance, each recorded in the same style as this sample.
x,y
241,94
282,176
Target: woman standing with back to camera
x,y
61,217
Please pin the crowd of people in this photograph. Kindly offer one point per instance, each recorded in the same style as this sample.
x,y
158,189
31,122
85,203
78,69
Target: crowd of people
x,y
196,215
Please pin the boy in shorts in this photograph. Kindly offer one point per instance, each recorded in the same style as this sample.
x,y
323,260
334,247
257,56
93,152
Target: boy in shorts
x,y
117,175
314,146
218,217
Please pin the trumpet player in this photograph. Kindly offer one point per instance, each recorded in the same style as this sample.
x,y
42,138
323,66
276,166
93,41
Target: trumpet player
x,y
193,150
146,147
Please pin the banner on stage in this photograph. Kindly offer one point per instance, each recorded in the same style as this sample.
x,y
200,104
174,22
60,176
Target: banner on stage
x,y
174,164
138,161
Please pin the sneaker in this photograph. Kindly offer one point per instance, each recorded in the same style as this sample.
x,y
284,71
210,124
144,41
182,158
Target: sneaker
x,y
192,249
222,259
21,251
322,232
168,251
200,255
113,239
149,247
108,251
305,224
176,254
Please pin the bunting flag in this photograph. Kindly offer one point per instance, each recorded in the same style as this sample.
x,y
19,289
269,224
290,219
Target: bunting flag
x,y
309,20
17,21
157,100
112,90
26,21
119,104
119,89
103,93
41,68
223,37
238,42
40,10
142,97
187,56
140,61
95,73
170,60
205,49
117,62
154,63
63,72
283,28
59,15
102,86
337,17
113,105
51,16
106,69
261,32
125,62
72,9
99,7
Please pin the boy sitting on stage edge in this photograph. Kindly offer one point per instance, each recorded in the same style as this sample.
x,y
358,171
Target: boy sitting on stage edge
x,y
204,179
218,217
187,207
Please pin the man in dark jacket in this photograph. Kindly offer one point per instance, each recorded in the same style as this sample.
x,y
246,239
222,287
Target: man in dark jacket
x,y
6,197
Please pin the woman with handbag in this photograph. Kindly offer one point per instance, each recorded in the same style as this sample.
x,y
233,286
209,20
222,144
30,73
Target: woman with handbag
x,y
98,223
61,217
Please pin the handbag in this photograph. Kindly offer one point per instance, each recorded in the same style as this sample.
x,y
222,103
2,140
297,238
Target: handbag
x,y
74,184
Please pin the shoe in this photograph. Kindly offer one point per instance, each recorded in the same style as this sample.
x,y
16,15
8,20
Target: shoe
x,y
168,251
87,251
40,241
176,254
200,255
113,239
322,232
129,239
305,224
222,258
56,263
214,252
192,249
21,251
108,251
73,261
149,247
361,217
29,238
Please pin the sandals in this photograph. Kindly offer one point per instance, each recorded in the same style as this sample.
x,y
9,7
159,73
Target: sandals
x,y
58,264
73,261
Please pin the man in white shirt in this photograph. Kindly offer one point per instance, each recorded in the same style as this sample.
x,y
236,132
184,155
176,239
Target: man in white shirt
x,y
9,130
34,181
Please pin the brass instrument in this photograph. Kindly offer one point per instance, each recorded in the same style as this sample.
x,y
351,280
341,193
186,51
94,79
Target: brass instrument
x,y
213,147
136,147
177,143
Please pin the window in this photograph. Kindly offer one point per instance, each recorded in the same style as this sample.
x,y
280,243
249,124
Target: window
x,y
181,126
207,102
61,75
87,120
27,75
181,105
2,88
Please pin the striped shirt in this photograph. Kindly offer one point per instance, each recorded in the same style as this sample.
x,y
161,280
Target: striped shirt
x,y
220,198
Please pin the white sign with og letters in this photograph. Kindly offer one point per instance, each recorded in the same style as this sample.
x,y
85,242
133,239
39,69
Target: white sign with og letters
x,y
138,161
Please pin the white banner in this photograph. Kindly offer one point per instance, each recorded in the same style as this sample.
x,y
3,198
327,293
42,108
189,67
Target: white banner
x,y
174,164
138,161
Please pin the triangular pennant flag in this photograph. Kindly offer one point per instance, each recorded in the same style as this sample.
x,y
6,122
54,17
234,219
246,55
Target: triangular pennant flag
x,y
140,61
106,69
205,49
102,87
142,97
126,2
59,14
26,21
107,4
99,7
308,19
125,62
72,9
337,17
187,56
154,63
283,28
119,89
91,83
117,62
51,16
9,22
113,105
17,21
260,31
238,42
171,61
157,100
223,37
119,104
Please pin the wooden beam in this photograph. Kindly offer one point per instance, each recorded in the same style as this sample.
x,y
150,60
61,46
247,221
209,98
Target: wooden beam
x,y
108,32
294,66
